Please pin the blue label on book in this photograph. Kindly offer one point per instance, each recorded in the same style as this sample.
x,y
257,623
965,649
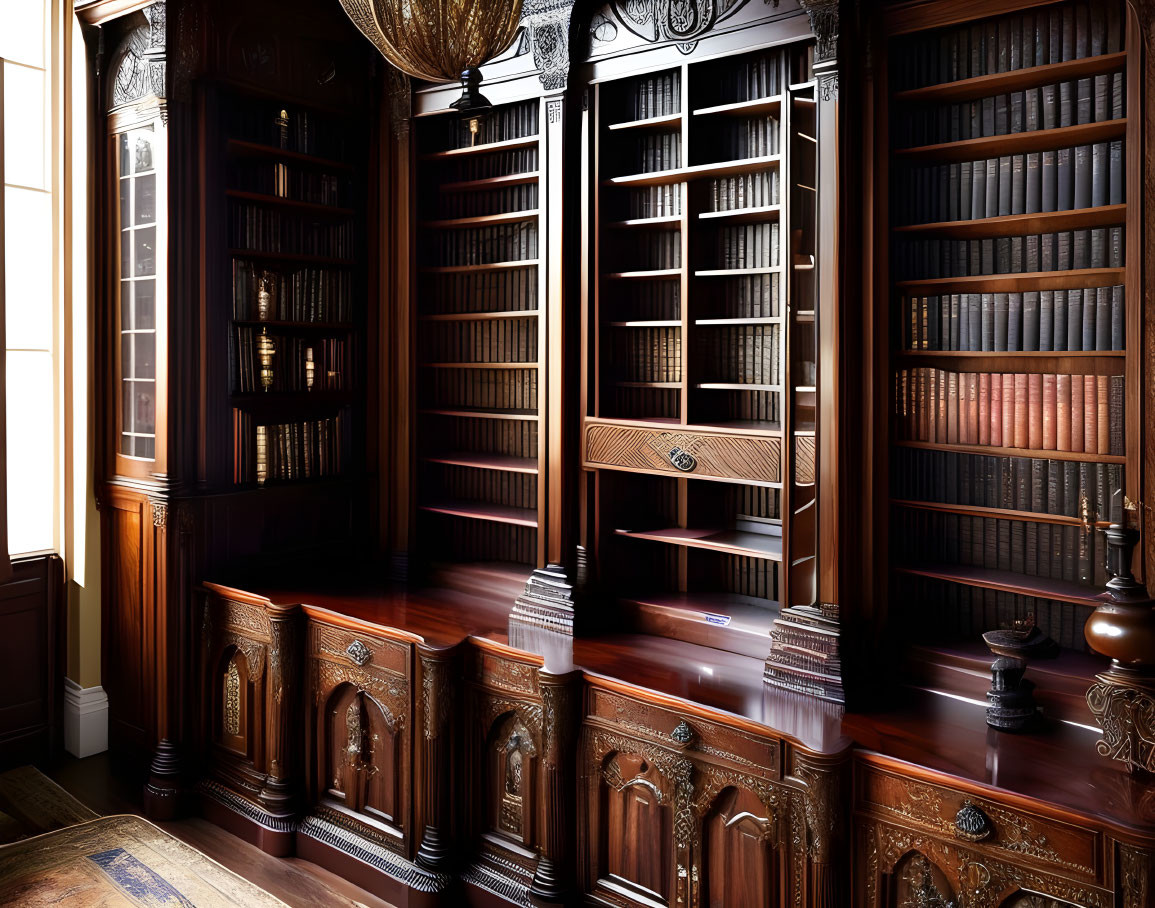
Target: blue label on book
x,y
720,620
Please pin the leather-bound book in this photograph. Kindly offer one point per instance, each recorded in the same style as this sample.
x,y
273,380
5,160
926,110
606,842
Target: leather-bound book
x,y
1078,426
1035,411
1022,411
995,433
1050,413
1062,412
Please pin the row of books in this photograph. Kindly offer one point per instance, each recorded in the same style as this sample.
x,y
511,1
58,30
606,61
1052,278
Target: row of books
x,y
627,402
749,246
1096,247
762,410
496,341
302,131
745,296
288,451
502,124
1084,176
482,487
1059,320
260,229
658,95
522,197
298,364
509,290
662,151
749,137
1089,100
1008,483
804,652
487,166
300,294
748,79
739,354
482,245
969,611
649,250
1073,554
511,437
646,354
461,539
750,190
645,301
1077,413
286,182
1060,32
753,577
479,389
655,201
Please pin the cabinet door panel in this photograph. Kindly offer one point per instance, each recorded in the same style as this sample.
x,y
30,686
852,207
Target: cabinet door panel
x,y
740,862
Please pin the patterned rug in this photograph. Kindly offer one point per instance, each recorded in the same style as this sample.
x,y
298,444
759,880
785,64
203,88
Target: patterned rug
x,y
31,803
119,862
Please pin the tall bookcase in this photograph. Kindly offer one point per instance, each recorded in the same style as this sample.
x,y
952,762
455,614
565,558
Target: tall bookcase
x,y
700,345
295,280
480,344
1014,314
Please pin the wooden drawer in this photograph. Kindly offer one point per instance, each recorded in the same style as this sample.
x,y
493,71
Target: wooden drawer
x,y
712,455
357,650
979,822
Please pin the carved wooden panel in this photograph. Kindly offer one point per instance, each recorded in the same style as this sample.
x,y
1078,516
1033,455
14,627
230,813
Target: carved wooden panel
x,y
361,748
712,455
1016,835
635,840
741,863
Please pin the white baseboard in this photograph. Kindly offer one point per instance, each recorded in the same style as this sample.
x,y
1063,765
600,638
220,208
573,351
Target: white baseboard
x,y
85,719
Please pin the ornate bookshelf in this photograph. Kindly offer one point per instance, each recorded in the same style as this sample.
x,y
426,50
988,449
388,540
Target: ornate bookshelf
x,y
480,339
701,350
1014,318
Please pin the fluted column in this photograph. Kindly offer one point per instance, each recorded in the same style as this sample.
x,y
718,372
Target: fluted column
x,y
434,853
282,711
553,879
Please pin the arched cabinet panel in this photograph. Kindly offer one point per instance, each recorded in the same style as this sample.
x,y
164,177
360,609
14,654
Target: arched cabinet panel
x,y
635,844
740,860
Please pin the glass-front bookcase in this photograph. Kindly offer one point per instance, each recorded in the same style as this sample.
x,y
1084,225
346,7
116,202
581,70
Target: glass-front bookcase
x,y
140,284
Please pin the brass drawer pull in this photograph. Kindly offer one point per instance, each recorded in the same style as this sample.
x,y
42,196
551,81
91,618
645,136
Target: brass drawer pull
x,y
972,824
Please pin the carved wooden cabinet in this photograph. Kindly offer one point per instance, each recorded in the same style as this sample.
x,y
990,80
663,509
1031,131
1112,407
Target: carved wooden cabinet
x,y
923,841
680,809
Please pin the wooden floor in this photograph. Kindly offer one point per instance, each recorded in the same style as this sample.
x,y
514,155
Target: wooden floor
x,y
298,883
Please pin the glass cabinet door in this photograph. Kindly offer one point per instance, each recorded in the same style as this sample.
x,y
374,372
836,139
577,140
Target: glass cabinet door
x,y
140,288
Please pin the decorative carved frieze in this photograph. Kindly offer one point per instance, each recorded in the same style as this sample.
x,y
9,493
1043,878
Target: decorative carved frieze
x,y
682,22
435,697
823,15
1126,714
546,23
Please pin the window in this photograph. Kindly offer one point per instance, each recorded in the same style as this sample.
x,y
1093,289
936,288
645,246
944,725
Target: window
x,y
30,274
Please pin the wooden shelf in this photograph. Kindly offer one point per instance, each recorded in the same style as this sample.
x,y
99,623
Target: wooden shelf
x,y
1078,362
479,365
482,220
276,201
241,148
481,461
315,327
506,145
738,272
744,426
273,398
1017,142
1073,279
657,323
666,120
478,510
1015,79
1010,582
656,274
491,266
734,386
728,542
993,451
478,316
743,215
647,384
1021,224
295,258
742,108
664,222
511,179
697,171
752,320
968,510
513,415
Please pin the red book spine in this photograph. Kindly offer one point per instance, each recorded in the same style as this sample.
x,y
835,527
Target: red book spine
x,y
1077,424
1063,412
1035,411
952,404
1050,399
996,430
1104,383
984,408
1090,415
973,408
1021,410
1008,410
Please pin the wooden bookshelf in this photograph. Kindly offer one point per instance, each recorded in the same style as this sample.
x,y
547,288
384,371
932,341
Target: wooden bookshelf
x,y
1005,530
480,338
693,244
